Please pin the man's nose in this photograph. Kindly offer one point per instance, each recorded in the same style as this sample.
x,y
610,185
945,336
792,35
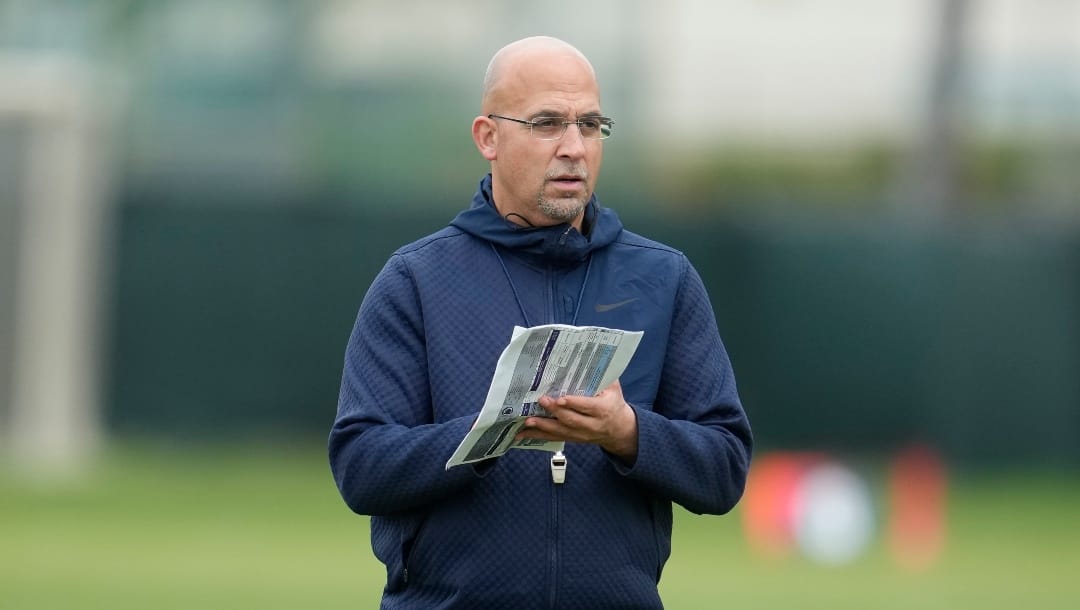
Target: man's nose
x,y
572,143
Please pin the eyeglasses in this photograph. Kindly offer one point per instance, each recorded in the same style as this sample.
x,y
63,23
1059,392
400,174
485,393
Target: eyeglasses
x,y
553,128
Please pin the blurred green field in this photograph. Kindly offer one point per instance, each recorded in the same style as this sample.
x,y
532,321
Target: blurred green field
x,y
264,528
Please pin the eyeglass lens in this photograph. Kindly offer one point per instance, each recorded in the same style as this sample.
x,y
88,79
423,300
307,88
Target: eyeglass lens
x,y
551,128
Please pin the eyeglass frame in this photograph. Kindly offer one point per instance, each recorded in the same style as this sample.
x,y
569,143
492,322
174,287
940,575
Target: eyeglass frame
x,y
610,122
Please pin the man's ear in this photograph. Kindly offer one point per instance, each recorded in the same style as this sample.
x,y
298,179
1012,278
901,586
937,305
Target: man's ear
x,y
484,136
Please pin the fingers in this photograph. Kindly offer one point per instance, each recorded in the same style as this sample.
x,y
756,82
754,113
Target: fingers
x,y
565,424
606,401
605,419
568,416
549,429
578,418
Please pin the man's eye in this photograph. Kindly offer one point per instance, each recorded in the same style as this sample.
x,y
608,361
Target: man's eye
x,y
590,124
545,123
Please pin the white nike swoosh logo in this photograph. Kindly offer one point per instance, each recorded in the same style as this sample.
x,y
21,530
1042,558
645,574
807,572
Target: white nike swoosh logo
x,y
601,308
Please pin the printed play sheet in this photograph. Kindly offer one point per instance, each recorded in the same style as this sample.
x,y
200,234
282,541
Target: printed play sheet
x,y
553,360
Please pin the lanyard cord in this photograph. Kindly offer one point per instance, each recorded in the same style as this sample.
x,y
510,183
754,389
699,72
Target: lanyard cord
x,y
517,297
581,293
513,288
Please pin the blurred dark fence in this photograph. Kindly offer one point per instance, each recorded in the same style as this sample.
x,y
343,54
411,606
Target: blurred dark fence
x,y
232,312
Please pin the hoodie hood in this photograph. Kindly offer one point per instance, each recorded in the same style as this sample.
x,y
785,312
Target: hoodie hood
x,y
559,243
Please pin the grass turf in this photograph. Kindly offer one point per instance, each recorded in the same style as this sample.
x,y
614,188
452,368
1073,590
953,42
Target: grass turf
x,y
260,528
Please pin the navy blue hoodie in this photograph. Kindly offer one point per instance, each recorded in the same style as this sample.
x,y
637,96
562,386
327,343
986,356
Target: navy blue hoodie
x,y
500,533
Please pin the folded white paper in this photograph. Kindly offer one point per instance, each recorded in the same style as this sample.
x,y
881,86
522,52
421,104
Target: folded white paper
x,y
553,360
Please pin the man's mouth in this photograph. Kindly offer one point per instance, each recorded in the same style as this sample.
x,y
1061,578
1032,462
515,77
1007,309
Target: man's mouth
x,y
568,181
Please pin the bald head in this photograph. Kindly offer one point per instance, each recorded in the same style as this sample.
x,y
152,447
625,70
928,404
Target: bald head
x,y
539,180
512,67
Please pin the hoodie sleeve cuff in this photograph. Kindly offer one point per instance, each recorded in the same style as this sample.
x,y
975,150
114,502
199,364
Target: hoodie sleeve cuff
x,y
479,469
646,426
483,467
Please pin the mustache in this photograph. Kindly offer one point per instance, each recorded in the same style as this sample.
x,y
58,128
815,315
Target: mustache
x,y
570,172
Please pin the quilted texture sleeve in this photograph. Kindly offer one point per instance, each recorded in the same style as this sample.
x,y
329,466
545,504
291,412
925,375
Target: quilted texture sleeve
x,y
694,446
386,454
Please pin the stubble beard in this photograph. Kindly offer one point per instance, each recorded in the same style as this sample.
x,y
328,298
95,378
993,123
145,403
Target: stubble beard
x,y
561,209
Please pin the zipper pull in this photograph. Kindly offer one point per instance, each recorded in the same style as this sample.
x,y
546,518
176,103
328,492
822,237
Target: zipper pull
x,y
558,468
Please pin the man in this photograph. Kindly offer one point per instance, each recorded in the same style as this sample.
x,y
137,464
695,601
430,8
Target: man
x,y
534,248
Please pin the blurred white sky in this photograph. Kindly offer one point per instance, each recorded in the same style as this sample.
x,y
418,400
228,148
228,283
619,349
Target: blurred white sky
x,y
680,74
818,70
836,69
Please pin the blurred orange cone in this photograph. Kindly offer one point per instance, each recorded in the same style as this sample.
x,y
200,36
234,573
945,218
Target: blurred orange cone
x,y
769,504
917,501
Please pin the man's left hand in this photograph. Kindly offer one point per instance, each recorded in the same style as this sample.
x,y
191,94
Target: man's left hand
x,y
604,419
